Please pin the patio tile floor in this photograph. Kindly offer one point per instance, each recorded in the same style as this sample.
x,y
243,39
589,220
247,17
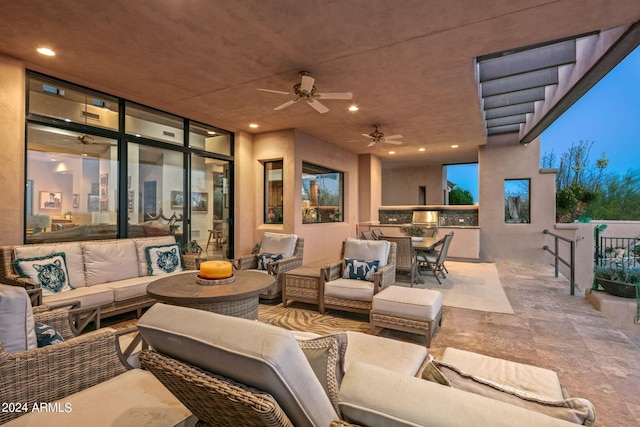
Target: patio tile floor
x,y
554,330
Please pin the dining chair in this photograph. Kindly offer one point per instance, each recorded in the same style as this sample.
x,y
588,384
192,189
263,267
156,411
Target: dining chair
x,y
368,235
435,262
406,257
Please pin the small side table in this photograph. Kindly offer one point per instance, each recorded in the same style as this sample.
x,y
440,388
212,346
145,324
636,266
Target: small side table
x,y
303,284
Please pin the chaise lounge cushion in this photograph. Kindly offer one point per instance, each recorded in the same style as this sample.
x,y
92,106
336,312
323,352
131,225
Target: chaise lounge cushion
x,y
526,386
256,354
367,398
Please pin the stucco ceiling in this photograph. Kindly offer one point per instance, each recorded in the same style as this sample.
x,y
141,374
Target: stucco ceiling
x,y
409,63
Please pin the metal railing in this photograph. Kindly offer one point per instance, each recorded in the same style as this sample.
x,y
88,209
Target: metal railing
x,y
571,263
622,252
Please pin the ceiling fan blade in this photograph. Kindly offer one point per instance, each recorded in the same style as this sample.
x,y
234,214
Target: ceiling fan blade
x,y
392,142
372,143
317,105
366,135
307,83
393,137
286,104
276,91
337,95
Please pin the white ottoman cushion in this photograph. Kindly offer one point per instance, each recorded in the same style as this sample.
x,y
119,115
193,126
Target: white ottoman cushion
x,y
408,302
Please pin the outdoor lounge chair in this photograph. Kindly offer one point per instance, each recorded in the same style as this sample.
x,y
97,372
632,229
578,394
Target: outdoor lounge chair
x,y
339,287
290,250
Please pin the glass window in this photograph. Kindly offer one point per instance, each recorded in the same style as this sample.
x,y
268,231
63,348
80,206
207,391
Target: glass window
x,y
516,201
153,124
322,194
273,194
70,104
155,183
73,185
210,207
209,139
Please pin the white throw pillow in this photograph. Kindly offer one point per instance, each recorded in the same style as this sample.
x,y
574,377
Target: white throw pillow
x,y
164,259
50,272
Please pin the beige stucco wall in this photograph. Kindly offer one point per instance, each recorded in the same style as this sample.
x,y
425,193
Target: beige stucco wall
x,y
322,241
504,158
369,188
400,185
12,107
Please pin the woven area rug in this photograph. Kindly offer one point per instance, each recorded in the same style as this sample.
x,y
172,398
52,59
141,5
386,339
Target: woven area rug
x,y
305,317
475,286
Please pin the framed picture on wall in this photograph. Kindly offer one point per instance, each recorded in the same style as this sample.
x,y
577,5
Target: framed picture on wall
x,y
199,202
130,196
50,200
93,202
104,179
76,200
177,200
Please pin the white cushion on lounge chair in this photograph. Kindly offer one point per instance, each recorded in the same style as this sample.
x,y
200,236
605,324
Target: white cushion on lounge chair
x,y
17,331
367,250
274,243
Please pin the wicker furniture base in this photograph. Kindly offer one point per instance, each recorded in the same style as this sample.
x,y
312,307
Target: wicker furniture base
x,y
347,305
406,324
215,400
302,284
245,307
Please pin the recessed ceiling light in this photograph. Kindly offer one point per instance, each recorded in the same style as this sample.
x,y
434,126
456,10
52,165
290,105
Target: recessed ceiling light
x,y
392,152
46,51
210,132
353,107
454,146
422,149
253,125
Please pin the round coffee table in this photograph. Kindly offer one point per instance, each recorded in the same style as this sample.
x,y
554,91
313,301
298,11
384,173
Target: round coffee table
x,y
240,298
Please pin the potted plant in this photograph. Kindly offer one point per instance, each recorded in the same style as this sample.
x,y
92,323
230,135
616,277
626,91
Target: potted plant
x,y
191,255
617,281
416,233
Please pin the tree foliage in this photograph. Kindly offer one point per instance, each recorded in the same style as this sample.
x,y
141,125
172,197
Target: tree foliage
x,y
460,196
585,189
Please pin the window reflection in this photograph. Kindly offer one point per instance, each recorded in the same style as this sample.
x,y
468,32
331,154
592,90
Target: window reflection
x,y
322,194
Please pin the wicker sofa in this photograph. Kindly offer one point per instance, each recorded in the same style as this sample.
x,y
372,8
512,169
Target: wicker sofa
x,y
241,372
110,274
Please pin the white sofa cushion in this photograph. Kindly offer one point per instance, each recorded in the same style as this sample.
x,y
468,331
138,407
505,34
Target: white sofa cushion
x,y
141,248
367,250
274,243
73,256
129,288
110,261
17,331
256,354
89,296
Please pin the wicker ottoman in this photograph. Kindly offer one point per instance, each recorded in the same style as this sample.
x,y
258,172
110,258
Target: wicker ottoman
x,y
414,310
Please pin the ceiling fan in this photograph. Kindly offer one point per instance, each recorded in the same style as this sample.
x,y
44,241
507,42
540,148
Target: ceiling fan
x,y
85,139
377,136
306,91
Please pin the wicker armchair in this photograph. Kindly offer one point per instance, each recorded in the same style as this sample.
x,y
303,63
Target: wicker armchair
x,y
357,295
406,258
278,268
53,372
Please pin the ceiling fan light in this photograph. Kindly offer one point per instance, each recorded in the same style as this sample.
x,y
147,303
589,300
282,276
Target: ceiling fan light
x,y
45,51
353,107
